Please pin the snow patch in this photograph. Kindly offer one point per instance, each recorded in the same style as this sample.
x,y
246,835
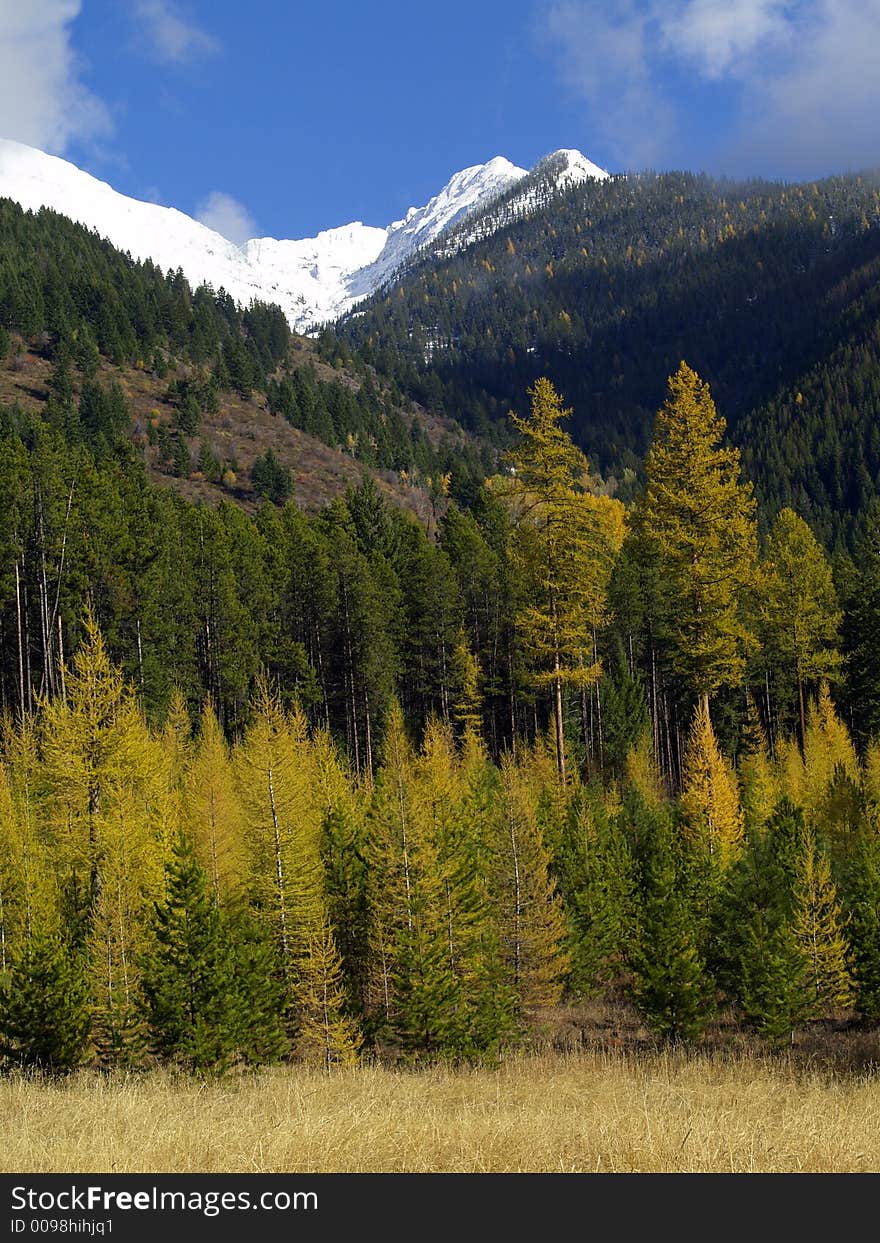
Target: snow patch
x,y
314,279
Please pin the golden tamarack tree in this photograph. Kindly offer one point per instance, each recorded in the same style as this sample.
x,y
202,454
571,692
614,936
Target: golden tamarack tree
x,y
697,520
710,802
564,540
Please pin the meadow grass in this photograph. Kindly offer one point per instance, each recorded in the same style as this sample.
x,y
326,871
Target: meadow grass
x,y
559,1112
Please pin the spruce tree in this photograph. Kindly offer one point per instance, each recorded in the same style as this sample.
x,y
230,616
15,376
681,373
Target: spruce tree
x,y
258,1002
672,987
771,984
862,886
188,973
599,877
44,1005
760,881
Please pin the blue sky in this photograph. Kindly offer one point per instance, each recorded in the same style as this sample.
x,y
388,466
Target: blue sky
x,y
279,117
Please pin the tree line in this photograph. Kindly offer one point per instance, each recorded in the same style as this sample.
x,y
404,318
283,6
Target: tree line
x,y
433,787
165,895
543,601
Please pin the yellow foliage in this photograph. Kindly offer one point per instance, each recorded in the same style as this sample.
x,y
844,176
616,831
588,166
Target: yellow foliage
x,y
282,819
529,909
327,1036
827,748
790,770
212,810
642,772
710,798
759,781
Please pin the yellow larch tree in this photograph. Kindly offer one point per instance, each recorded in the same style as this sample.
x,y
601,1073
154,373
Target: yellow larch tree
x,y
212,811
528,907
404,896
107,813
643,773
819,930
29,867
758,777
828,750
283,816
26,880
710,798
282,823
326,1034
564,541
697,519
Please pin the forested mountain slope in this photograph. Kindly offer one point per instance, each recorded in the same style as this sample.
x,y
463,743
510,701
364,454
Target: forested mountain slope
x,y
114,375
607,286
211,387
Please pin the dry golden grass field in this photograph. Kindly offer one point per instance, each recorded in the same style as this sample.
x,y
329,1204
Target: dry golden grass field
x,y
559,1112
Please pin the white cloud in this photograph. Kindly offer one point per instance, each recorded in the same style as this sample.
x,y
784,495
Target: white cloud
x,y
802,90
603,56
818,111
226,216
173,38
721,38
43,101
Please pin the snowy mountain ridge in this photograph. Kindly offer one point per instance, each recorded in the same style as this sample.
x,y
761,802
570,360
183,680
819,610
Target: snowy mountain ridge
x,y
552,175
313,279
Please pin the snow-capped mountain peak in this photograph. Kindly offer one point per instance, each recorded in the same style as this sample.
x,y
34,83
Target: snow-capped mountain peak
x,y
463,194
314,279
572,167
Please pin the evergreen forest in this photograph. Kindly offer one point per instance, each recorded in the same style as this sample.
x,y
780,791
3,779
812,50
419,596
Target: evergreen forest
x,y
339,784
768,289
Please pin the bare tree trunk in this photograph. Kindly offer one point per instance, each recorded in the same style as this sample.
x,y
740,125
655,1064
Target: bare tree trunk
x,y
61,662
586,729
557,713
770,731
557,694
140,654
56,616
27,651
512,699
322,676
802,707
368,740
655,707
20,643
279,877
